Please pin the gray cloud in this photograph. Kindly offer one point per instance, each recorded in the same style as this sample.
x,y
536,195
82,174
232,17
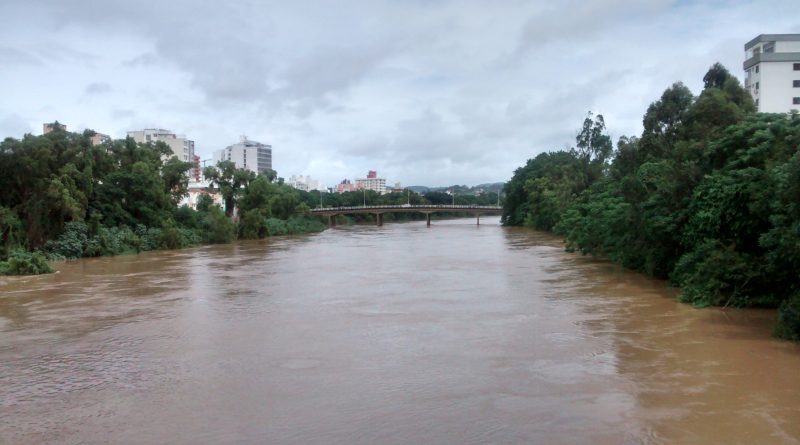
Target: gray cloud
x,y
14,57
13,124
427,92
98,88
144,60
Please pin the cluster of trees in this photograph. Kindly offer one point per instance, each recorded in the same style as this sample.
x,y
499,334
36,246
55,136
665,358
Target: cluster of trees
x,y
708,197
65,198
372,198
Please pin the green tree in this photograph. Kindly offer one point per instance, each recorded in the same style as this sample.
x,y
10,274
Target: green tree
x,y
176,180
230,180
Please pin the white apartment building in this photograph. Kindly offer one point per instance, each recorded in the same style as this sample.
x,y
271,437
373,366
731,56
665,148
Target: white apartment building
x,y
372,182
772,72
247,154
304,183
182,148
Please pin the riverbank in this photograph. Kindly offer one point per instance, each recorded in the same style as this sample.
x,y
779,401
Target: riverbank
x,y
706,197
78,241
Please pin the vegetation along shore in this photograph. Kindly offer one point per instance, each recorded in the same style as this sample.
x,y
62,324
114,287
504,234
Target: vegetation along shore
x,y
707,197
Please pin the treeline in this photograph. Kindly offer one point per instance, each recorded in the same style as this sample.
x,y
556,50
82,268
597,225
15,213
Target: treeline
x,y
708,197
64,198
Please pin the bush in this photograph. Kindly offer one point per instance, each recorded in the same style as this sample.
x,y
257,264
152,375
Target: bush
x,y
111,241
300,224
170,237
173,237
216,227
253,225
21,262
149,238
186,217
788,326
11,231
717,275
71,243
276,227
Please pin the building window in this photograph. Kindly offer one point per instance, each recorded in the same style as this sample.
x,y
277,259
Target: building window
x,y
796,83
757,86
756,68
796,100
797,66
756,103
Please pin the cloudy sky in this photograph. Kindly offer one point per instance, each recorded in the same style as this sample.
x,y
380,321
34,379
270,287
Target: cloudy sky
x,y
432,92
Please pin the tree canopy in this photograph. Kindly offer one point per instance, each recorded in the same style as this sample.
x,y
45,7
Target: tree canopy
x,y
707,197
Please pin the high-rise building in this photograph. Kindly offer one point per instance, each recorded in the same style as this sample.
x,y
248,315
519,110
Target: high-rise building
x,y
182,148
372,182
303,183
772,67
345,186
247,154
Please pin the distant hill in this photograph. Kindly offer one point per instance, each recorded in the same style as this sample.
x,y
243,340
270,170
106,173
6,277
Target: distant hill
x,y
492,187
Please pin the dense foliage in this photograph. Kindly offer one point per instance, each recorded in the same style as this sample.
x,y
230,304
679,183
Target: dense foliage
x,y
64,198
708,196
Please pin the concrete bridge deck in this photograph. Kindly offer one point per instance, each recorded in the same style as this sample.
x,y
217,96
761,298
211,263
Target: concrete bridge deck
x,y
378,211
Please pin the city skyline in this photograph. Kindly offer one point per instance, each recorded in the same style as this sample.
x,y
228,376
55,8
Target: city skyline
x,y
452,91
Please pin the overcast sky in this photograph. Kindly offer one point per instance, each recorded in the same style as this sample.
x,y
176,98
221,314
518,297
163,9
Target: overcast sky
x,y
427,92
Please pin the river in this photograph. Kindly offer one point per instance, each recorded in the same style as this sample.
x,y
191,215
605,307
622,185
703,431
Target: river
x,y
400,334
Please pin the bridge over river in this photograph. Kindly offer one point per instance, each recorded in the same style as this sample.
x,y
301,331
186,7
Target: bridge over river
x,y
378,211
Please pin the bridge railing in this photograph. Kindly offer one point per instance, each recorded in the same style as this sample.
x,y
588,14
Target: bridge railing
x,y
409,207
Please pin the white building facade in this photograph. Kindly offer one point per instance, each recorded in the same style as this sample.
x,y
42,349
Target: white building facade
x,y
247,154
196,189
772,72
372,182
182,148
304,183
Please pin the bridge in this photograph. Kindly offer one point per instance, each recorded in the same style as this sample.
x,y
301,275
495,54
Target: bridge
x,y
378,211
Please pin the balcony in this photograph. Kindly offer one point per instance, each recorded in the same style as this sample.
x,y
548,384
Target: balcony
x,y
771,57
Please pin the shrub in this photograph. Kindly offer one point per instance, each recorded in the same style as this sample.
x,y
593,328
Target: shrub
x,y
300,224
170,237
149,237
788,325
111,241
217,227
21,262
716,275
186,217
71,243
11,232
276,227
253,225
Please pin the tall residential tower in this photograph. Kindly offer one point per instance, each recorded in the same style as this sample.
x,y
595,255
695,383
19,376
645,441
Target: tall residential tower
x,y
182,148
247,154
772,68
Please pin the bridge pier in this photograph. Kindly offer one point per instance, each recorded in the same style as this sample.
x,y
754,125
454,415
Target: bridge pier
x,y
379,219
331,221
429,219
479,218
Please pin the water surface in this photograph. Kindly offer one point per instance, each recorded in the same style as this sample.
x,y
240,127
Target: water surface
x,y
396,335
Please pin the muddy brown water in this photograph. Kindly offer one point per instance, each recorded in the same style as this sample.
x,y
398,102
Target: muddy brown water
x,y
400,334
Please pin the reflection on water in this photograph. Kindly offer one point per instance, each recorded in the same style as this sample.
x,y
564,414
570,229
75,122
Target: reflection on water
x,y
393,334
